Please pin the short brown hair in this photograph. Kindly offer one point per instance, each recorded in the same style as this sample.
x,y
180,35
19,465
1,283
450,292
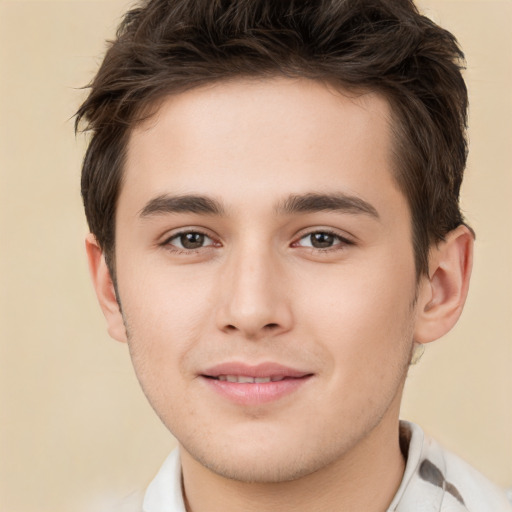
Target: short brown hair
x,y
165,47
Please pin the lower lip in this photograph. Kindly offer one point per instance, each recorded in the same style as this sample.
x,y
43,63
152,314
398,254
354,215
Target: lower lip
x,y
258,392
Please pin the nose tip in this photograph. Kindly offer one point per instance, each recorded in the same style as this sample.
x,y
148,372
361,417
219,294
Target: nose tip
x,y
254,302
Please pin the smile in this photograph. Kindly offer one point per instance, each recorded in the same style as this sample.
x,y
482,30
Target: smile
x,y
248,380
248,385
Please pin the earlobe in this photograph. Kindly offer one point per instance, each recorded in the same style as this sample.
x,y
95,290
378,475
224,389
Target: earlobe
x,y
443,293
104,288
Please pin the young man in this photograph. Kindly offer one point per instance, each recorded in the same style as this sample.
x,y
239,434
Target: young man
x,y
272,191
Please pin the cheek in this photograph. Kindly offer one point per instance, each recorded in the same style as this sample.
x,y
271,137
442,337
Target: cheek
x,y
165,315
364,335
363,319
165,318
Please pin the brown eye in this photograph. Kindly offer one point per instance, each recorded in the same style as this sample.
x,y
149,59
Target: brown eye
x,y
190,240
322,240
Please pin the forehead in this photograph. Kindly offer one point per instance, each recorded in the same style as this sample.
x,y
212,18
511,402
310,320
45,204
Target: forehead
x,y
267,136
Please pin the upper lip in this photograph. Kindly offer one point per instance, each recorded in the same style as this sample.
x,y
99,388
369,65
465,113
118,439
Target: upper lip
x,y
268,369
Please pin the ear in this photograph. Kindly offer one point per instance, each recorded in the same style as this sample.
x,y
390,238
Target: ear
x,y
105,291
443,293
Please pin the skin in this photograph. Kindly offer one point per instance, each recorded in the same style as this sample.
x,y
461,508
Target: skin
x,y
255,290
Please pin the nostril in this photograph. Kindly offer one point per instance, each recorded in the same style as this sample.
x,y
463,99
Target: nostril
x,y
271,327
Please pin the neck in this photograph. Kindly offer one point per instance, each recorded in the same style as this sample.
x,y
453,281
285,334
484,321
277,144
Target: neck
x,y
367,479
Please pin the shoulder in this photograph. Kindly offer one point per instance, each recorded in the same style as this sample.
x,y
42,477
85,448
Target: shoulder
x,y
479,494
441,481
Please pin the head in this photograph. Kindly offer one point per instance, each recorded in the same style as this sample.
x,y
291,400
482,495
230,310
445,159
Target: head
x,y
274,185
168,47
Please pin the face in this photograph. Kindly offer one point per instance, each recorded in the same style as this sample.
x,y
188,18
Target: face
x,y
266,274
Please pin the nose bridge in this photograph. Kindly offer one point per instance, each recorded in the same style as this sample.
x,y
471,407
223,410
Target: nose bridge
x,y
253,302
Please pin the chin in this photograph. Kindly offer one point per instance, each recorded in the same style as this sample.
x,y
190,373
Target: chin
x,y
259,471
265,459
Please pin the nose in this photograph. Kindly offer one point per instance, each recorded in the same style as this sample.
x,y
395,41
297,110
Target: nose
x,y
253,300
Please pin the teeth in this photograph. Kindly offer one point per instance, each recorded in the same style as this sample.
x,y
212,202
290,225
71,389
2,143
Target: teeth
x,y
243,379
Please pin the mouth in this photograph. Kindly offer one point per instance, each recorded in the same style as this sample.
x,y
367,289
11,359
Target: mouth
x,y
254,385
245,379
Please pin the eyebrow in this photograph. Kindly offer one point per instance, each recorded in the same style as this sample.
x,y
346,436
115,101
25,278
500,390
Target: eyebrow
x,y
295,203
166,204
310,203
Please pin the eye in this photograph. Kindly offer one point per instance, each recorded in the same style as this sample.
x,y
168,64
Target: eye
x,y
322,240
190,240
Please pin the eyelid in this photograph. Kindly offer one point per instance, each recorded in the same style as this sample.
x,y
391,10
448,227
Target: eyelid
x,y
168,237
344,239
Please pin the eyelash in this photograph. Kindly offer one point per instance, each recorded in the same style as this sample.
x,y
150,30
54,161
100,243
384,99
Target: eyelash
x,y
341,245
178,250
343,242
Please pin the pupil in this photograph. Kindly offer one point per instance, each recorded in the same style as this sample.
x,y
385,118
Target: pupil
x,y
322,240
192,240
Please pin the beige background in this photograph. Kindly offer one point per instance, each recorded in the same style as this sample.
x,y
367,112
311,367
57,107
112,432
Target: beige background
x,y
76,432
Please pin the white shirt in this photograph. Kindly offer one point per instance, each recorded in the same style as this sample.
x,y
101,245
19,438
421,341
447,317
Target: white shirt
x,y
434,481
